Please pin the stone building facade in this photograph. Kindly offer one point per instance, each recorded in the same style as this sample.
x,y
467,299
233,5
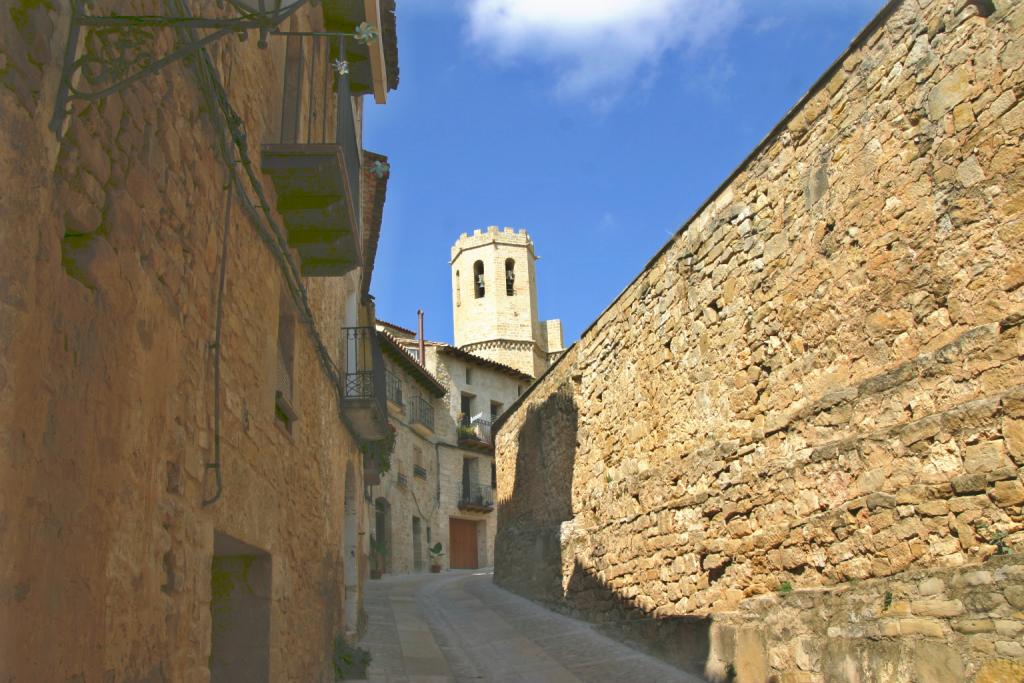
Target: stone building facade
x,y
791,449
476,390
403,519
182,418
461,478
479,390
494,301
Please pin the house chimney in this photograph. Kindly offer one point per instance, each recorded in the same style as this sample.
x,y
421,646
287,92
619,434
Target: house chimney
x,y
423,344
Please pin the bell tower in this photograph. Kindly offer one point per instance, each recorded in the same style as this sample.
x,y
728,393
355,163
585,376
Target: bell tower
x,y
494,300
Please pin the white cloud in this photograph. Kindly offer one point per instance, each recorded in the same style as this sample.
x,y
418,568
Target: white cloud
x,y
597,48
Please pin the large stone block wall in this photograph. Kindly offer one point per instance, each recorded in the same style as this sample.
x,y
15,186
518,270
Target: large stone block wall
x,y
109,262
819,379
933,625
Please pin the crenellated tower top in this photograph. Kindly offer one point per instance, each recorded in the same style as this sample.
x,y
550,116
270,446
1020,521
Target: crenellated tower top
x,y
494,300
490,235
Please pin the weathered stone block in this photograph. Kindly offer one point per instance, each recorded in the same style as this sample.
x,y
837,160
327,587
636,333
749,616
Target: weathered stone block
x,y
937,608
1000,671
1015,596
931,628
1010,648
969,172
973,625
950,91
937,663
986,457
880,500
1008,493
969,483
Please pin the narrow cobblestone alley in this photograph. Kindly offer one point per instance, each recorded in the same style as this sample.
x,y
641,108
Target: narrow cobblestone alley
x,y
459,626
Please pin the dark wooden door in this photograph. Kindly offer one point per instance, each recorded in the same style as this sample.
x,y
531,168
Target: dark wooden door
x,y
462,543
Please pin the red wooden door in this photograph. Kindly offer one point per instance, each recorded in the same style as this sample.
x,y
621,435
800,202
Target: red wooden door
x,y
462,543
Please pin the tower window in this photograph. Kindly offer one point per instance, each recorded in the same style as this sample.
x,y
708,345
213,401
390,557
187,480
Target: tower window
x,y
458,289
478,279
510,277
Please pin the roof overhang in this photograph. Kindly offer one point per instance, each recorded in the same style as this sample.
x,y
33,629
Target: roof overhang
x,y
378,65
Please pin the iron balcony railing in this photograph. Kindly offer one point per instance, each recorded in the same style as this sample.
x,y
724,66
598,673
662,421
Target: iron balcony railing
x,y
422,412
364,366
476,428
476,496
394,388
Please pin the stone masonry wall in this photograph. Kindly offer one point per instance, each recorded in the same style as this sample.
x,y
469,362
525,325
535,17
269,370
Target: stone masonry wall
x,y
417,496
818,381
109,260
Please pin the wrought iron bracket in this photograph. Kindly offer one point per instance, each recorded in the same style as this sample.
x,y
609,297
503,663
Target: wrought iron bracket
x,y
105,54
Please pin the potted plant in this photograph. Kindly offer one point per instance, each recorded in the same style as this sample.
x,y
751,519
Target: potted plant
x,y
378,557
436,553
350,662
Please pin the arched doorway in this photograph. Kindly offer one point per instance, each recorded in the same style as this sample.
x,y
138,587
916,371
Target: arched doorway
x,y
382,536
351,558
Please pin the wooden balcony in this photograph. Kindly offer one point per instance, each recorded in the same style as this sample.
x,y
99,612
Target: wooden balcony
x,y
369,67
315,164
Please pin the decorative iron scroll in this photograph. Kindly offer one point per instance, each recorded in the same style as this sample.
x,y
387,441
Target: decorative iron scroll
x,y
112,55
118,50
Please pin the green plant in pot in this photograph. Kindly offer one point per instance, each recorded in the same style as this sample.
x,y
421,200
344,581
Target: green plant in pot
x,y
436,553
350,662
378,557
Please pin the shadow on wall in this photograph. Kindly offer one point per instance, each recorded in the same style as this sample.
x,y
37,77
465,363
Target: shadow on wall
x,y
534,557
527,556
684,641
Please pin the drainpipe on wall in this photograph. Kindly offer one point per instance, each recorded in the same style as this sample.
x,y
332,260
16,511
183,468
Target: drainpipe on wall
x,y
437,460
423,344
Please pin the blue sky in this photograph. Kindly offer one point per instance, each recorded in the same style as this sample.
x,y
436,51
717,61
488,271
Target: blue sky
x,y
597,125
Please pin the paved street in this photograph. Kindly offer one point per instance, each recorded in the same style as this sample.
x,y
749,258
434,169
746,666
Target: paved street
x,y
459,626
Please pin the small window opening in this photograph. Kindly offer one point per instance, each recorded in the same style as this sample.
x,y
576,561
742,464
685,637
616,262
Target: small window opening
x,y
458,289
495,410
469,375
284,402
478,279
510,277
